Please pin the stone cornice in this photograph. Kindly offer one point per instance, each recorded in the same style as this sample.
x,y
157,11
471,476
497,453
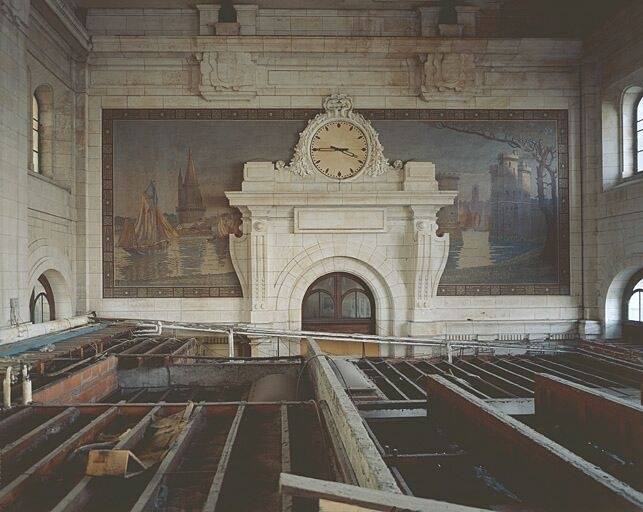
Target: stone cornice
x,y
402,47
70,23
393,198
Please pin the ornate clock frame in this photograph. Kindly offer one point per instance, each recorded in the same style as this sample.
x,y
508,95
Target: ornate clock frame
x,y
339,107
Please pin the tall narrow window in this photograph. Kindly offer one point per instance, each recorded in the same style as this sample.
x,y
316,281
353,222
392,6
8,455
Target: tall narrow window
x,y
35,134
638,129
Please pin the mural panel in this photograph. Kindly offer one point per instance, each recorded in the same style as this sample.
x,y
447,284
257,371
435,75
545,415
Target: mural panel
x,y
166,221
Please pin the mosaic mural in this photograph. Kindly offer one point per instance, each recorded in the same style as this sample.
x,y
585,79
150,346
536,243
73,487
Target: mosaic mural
x,y
166,221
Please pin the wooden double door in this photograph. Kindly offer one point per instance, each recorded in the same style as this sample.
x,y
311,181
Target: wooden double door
x,y
339,302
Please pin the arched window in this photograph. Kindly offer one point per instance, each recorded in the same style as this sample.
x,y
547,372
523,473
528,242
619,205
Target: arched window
x,y
339,302
35,134
634,299
42,130
42,307
638,136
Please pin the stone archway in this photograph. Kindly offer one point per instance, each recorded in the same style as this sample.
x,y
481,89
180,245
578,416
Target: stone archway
x,y
388,294
48,261
613,313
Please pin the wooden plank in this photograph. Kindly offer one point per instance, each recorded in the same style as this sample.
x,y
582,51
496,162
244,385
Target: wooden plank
x,y
37,436
363,497
49,464
286,499
78,498
217,481
147,500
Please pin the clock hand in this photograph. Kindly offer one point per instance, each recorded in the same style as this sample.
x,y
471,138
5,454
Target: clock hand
x,y
347,152
325,149
339,149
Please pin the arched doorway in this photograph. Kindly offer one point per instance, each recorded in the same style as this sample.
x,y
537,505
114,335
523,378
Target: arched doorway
x,y
633,308
42,305
340,302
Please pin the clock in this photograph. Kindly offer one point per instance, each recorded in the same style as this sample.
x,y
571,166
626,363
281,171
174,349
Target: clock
x,y
338,143
339,149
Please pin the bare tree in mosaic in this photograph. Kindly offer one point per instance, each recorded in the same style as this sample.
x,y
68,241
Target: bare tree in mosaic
x,y
545,156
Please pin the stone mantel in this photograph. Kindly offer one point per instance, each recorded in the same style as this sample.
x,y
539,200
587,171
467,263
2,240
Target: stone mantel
x,y
380,228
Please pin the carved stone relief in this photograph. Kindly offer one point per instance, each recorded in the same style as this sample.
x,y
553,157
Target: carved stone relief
x,y
453,73
227,75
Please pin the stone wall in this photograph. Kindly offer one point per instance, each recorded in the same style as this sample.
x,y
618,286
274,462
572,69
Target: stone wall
x,y
298,72
613,220
38,211
293,58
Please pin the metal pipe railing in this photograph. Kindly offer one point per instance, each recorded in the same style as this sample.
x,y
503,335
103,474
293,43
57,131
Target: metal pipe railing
x,y
156,328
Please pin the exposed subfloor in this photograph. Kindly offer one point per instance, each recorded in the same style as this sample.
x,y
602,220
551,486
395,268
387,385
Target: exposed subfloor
x,y
502,377
227,455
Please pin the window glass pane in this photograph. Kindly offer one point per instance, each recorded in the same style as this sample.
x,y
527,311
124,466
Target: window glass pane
x,y
326,306
346,283
634,307
639,140
363,305
356,305
639,159
325,284
41,309
35,110
311,306
639,110
639,285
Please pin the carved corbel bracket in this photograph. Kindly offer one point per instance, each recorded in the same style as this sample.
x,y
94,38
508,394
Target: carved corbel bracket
x,y
429,255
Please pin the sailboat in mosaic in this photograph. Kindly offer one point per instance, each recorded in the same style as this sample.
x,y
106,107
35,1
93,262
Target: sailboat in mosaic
x,y
151,232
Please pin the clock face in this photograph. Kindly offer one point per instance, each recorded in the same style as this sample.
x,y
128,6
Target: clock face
x,y
339,149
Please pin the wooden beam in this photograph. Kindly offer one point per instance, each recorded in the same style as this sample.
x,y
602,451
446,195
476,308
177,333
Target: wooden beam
x,y
11,422
509,386
217,481
286,467
34,438
147,499
78,498
421,391
386,379
363,497
549,465
50,463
